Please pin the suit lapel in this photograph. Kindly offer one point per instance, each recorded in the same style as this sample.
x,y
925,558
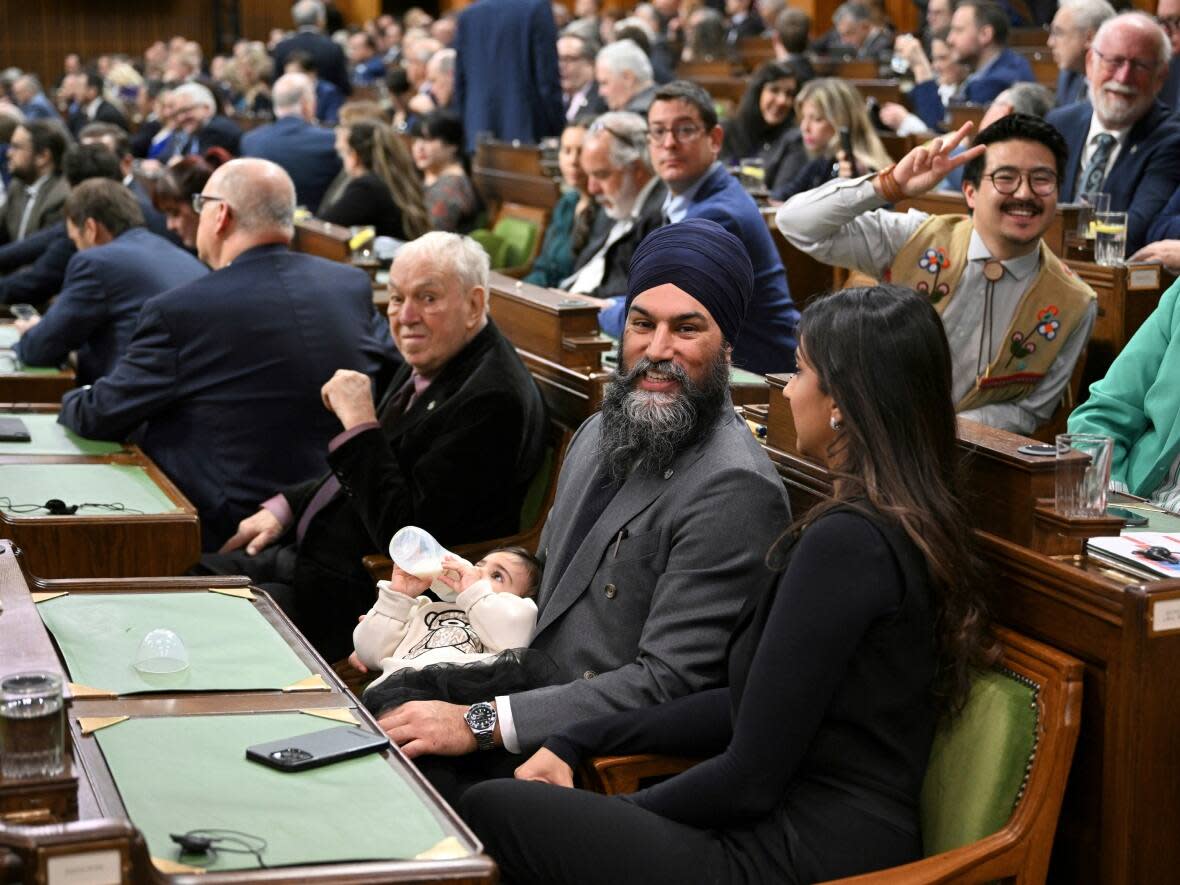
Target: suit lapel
x,y
1076,143
637,494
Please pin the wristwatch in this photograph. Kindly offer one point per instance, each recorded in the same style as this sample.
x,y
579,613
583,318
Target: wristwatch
x,y
481,719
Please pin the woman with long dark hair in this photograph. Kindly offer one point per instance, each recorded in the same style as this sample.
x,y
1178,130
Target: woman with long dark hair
x,y
383,189
764,127
817,748
437,148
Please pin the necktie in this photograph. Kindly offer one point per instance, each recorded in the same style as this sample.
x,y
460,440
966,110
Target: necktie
x,y
1095,172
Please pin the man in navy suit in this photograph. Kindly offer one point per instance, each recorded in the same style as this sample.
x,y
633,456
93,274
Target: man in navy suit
x,y
305,150
223,375
685,141
506,80
328,97
118,266
1123,141
979,39
113,139
199,126
309,19
1070,35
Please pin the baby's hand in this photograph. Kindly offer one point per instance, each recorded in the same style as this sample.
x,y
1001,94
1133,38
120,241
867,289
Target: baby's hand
x,y
405,583
459,575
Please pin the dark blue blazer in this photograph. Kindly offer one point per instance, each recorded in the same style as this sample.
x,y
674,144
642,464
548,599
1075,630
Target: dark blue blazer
x,y
1071,87
1170,94
307,152
329,57
35,266
1145,173
104,290
768,337
152,217
506,71
328,100
1167,224
1009,68
222,378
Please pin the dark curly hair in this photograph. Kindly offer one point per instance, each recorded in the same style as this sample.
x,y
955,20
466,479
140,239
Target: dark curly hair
x,y
1018,127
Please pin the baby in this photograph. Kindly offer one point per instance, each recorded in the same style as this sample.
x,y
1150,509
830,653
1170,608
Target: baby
x,y
493,612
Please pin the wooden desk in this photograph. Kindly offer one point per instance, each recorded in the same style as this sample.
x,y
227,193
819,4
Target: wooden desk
x,y
1044,69
725,89
754,52
1029,36
1126,297
1118,823
845,69
325,240
883,91
513,173
959,114
102,825
29,384
96,542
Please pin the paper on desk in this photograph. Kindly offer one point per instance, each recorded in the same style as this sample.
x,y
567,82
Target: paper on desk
x,y
1127,546
91,724
337,714
239,592
45,597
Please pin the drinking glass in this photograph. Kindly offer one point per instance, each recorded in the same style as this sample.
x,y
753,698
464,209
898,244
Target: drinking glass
x,y
1110,238
32,726
1083,473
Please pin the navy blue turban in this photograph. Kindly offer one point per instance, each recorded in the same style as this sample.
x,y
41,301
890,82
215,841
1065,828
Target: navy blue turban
x,y
703,259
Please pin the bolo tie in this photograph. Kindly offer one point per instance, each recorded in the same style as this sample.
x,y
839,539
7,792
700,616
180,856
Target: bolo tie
x,y
993,271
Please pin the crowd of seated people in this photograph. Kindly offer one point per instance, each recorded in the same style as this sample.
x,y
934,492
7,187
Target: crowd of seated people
x,y
194,164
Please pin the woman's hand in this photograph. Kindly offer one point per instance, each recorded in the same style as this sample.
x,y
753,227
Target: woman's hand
x,y
926,165
546,767
847,167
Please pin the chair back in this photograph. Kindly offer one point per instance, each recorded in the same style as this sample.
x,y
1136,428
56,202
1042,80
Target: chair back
x,y
519,237
980,762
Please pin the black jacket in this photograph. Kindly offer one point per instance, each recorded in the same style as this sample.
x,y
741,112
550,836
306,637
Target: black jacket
x,y
618,257
457,464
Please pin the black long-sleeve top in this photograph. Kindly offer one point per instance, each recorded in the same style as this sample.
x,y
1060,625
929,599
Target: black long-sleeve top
x,y
828,714
365,200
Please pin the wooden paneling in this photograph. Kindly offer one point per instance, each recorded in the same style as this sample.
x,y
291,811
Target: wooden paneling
x,y
36,35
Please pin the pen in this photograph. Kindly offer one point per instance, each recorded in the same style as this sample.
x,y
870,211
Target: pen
x,y
618,541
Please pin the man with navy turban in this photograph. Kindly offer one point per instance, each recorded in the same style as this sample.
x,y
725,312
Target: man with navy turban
x,y
664,511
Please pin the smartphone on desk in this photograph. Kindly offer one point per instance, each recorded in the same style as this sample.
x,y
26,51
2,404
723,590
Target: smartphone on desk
x,y
14,430
317,748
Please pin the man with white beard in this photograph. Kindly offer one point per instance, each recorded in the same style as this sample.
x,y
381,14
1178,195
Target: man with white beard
x,y
664,512
620,177
1123,141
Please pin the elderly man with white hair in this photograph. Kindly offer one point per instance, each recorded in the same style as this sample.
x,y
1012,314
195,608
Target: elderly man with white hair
x,y
305,150
1070,35
221,381
624,76
31,99
451,448
1123,140
199,126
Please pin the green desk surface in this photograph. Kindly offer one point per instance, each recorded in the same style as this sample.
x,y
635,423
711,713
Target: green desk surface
x,y
124,484
1160,522
231,646
176,774
51,438
8,336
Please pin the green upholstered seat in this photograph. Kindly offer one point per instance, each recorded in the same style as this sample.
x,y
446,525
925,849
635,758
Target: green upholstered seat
x,y
494,245
979,762
538,490
519,235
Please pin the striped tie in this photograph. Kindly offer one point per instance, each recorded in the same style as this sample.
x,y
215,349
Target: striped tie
x,y
1096,170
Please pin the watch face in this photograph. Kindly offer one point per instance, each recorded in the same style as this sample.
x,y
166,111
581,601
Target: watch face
x,y
481,717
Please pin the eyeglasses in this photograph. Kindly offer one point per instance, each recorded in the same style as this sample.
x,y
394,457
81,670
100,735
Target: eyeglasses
x,y
1041,182
199,201
1111,63
599,126
683,133
1169,24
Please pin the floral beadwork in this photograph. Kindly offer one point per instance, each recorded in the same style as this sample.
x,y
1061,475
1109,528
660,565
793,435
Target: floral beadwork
x,y
1047,323
934,261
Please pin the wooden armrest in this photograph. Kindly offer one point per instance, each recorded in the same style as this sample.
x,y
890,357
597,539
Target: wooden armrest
x,y
379,567
617,775
516,272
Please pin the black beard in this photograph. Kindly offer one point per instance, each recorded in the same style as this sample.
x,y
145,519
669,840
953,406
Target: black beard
x,y
644,431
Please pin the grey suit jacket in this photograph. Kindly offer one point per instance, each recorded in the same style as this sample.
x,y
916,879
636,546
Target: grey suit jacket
x,y
643,618
47,206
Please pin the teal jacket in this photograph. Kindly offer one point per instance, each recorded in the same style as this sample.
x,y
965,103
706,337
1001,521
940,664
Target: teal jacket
x,y
1138,402
555,261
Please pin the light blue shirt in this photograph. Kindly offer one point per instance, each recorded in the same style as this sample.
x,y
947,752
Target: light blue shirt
x,y
676,205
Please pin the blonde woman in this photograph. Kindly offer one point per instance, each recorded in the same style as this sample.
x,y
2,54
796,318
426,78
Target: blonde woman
x,y
825,107
383,188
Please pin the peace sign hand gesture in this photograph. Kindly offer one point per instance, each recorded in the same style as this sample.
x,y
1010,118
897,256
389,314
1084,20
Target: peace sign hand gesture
x,y
926,165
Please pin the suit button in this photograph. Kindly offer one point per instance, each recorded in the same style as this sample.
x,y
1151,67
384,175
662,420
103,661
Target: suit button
x,y
589,674
611,591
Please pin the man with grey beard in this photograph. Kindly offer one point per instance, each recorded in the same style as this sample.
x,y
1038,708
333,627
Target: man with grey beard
x,y
620,178
664,511
1124,141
